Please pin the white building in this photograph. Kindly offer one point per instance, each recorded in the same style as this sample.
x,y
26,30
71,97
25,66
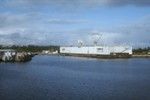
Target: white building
x,y
97,50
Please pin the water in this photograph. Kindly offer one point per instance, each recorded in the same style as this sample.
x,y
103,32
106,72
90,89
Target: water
x,y
72,78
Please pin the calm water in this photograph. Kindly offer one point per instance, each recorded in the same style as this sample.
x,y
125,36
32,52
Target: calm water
x,y
70,78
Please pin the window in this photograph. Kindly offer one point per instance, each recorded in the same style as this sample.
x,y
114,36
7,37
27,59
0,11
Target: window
x,y
99,49
63,49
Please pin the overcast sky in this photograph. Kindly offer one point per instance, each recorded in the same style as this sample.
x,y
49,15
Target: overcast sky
x,y
64,22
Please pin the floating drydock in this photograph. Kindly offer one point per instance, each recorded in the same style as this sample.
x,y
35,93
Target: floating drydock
x,y
98,51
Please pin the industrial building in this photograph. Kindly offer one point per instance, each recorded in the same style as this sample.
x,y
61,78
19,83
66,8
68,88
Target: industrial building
x,y
96,50
100,51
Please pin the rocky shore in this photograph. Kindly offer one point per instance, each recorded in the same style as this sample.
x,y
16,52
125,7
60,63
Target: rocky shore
x,y
12,56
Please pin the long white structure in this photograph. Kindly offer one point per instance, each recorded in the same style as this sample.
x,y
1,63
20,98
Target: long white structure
x,y
97,50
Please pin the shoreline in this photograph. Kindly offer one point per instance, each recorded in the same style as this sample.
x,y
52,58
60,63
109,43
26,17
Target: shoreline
x,y
98,57
140,56
131,56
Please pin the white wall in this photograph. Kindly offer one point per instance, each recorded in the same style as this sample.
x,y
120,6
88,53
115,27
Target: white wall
x,y
103,50
121,49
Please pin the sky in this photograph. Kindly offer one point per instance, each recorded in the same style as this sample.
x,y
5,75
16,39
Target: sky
x,y
64,22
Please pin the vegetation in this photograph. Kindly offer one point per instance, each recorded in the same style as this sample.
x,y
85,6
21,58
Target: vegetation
x,y
141,51
30,48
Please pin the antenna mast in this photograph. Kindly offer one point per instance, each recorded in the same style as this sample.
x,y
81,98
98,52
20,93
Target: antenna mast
x,y
80,43
96,37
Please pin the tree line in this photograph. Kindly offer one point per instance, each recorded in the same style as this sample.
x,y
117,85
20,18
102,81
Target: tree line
x,y
31,48
141,50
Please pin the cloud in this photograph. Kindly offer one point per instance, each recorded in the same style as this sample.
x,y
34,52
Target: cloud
x,y
8,19
33,28
127,2
136,34
66,21
75,3
45,28
22,38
